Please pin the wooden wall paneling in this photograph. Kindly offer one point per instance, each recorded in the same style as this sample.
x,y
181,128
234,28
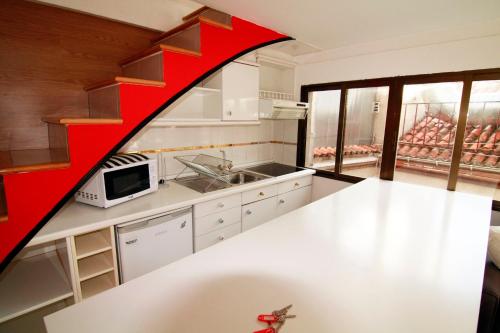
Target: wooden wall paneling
x,y
47,56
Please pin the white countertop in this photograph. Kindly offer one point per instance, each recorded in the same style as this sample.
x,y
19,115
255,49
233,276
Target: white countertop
x,y
378,257
77,218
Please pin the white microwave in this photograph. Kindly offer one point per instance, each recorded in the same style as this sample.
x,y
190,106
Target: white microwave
x,y
122,178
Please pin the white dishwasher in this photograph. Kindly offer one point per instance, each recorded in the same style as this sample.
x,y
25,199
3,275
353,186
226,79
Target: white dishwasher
x,y
147,244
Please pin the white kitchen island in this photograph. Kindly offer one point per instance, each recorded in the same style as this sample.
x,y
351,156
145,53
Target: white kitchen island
x,y
378,256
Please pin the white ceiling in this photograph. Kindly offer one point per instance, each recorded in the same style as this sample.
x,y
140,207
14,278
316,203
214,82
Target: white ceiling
x,y
330,24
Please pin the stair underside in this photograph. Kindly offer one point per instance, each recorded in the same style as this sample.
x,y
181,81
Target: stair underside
x,y
128,80
82,121
33,160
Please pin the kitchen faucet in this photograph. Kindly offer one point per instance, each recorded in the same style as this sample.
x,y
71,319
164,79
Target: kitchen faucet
x,y
225,166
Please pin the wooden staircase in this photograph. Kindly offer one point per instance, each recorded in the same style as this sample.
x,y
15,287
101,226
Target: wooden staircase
x,y
35,184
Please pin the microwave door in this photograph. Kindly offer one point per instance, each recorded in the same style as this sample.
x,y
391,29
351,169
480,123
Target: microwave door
x,y
126,182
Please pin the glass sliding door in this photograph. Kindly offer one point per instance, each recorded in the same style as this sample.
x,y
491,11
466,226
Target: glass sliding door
x,y
323,122
479,170
366,111
427,130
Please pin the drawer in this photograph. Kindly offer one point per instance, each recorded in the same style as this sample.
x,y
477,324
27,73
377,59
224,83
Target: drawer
x,y
217,205
259,194
294,184
258,213
209,223
214,237
293,200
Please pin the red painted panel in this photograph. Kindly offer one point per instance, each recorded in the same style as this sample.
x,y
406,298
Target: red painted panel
x,y
33,195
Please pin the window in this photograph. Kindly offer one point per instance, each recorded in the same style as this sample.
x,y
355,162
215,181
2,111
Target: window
x,y
440,130
366,110
323,125
479,170
428,122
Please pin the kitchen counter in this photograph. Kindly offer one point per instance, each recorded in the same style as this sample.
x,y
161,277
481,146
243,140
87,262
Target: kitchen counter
x,y
77,218
378,256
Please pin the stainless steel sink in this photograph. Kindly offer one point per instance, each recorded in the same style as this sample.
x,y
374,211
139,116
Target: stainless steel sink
x,y
244,177
204,184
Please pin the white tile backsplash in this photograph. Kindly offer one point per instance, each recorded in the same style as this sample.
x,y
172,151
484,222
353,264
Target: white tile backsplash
x,y
256,139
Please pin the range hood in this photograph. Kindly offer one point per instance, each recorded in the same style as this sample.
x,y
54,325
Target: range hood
x,y
282,109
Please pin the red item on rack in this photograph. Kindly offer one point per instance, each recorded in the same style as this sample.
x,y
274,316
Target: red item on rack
x,y
434,152
423,153
491,161
478,159
467,157
445,155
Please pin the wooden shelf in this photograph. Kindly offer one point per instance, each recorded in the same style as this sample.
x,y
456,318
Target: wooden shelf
x,y
82,121
31,284
97,285
95,265
33,159
128,80
202,91
92,243
199,123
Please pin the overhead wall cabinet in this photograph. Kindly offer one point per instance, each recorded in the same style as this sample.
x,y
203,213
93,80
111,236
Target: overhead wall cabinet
x,y
239,84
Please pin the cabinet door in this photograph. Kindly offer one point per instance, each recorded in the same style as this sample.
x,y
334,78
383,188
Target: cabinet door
x,y
257,213
240,92
294,199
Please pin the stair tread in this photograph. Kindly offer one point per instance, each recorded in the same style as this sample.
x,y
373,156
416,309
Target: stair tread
x,y
81,120
195,13
33,159
122,79
188,23
157,48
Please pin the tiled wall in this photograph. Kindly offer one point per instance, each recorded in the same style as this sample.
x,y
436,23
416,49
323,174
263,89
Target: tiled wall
x,y
272,140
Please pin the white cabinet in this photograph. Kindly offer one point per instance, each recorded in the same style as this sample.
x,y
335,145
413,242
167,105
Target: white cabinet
x,y
240,92
293,200
256,213
216,236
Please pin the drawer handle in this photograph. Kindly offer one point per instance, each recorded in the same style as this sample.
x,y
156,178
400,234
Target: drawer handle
x,y
221,237
221,220
282,201
261,194
220,205
296,184
248,212
131,241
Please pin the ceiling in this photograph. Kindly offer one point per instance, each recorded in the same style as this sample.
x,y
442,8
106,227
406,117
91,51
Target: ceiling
x,y
330,24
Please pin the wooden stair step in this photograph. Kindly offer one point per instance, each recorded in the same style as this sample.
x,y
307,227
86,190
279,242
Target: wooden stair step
x,y
158,48
190,23
127,80
33,160
211,16
195,13
82,121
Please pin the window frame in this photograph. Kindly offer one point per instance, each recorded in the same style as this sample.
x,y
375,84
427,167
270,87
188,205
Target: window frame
x,y
395,99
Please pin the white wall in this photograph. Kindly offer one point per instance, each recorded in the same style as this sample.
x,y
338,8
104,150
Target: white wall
x,y
243,144
154,14
477,53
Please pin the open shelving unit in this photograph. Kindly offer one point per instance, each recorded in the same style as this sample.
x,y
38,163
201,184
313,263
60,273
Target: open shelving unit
x,y
31,284
95,262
